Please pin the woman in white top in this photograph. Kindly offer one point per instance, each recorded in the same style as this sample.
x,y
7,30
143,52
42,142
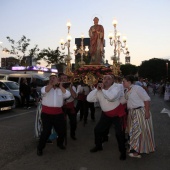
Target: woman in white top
x,y
140,128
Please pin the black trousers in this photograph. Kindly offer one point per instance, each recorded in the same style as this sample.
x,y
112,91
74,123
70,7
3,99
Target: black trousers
x,y
86,109
81,106
104,125
92,110
48,121
25,98
72,121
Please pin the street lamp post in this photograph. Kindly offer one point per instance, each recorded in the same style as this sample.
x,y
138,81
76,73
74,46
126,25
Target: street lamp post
x,y
82,51
68,56
167,70
118,45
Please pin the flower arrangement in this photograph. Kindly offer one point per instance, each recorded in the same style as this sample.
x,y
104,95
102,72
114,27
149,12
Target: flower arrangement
x,y
97,71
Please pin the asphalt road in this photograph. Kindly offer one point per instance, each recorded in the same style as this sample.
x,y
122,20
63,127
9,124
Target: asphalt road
x,y
18,145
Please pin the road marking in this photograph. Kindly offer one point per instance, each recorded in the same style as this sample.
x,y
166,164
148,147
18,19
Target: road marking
x,y
164,110
8,117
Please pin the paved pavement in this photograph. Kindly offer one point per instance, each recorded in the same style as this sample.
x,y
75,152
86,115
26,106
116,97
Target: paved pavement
x,y
78,157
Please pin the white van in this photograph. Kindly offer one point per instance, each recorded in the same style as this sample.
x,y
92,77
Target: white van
x,y
40,79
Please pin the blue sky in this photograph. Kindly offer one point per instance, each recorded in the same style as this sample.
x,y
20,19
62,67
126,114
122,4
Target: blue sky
x,y
146,23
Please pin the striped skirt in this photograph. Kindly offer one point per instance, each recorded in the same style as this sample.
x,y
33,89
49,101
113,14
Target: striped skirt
x,y
140,131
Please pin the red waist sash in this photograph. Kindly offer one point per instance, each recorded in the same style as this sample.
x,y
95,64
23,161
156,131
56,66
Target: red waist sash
x,y
70,106
118,111
52,110
81,97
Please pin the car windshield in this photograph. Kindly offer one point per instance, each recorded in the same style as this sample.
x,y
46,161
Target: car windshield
x,y
13,85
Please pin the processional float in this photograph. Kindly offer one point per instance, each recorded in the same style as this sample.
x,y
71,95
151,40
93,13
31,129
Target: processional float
x,y
91,73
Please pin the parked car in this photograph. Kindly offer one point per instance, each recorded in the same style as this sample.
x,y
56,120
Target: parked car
x,y
7,100
3,76
40,79
13,88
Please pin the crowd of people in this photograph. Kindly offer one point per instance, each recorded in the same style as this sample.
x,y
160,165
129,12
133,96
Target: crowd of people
x,y
123,104
161,88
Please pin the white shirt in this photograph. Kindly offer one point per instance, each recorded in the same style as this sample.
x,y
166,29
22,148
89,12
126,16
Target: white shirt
x,y
108,99
122,89
136,96
139,83
80,89
70,99
54,98
122,98
144,84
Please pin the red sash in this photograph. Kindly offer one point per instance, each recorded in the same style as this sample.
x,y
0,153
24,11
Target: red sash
x,y
81,97
118,111
52,110
70,106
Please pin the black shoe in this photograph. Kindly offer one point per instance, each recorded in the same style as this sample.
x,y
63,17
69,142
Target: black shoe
x,y
122,156
96,149
61,147
39,152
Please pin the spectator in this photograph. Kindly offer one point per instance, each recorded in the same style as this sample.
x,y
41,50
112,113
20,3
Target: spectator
x,y
34,92
25,92
141,83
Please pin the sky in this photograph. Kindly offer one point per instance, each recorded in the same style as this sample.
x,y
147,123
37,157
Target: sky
x,y
145,23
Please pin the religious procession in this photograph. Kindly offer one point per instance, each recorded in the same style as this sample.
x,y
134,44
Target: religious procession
x,y
123,103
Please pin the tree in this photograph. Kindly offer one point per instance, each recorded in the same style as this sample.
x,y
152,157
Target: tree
x,y
20,48
53,57
154,69
128,69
